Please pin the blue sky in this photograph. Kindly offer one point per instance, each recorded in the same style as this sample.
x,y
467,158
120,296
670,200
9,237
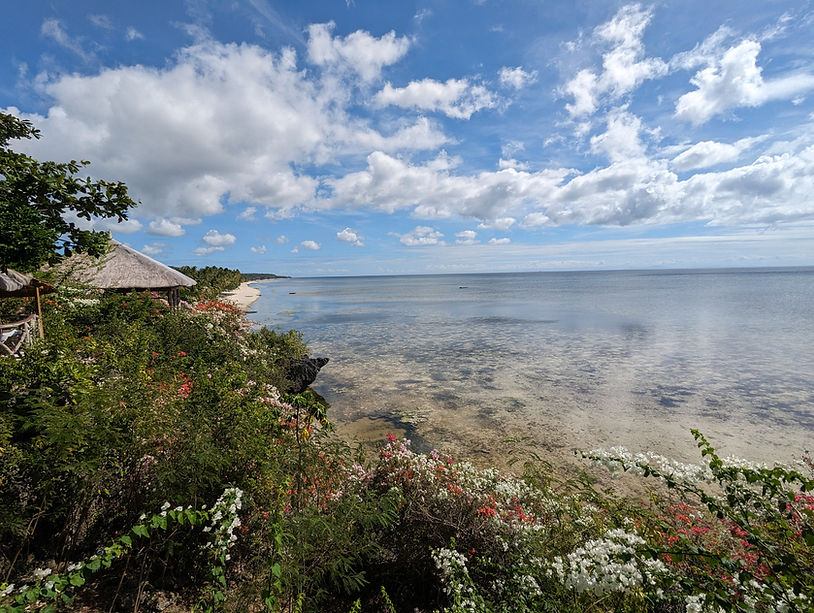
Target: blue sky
x,y
374,137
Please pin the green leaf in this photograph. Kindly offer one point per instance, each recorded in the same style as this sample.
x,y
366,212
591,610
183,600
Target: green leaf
x,y
141,530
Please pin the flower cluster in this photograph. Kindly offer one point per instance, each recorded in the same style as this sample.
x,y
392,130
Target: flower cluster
x,y
225,520
618,459
457,584
608,564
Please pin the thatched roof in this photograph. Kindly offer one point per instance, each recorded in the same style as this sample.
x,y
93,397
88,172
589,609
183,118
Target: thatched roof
x,y
122,268
17,284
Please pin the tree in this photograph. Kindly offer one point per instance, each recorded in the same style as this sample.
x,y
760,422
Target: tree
x,y
36,196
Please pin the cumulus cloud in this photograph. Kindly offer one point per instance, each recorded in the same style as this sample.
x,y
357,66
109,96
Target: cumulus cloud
x,y
621,140
735,80
259,250
467,237
421,236
214,238
624,65
502,223
359,51
219,124
512,163
165,227
155,248
433,192
311,245
456,98
248,214
499,241
516,77
350,236
711,153
206,250
282,239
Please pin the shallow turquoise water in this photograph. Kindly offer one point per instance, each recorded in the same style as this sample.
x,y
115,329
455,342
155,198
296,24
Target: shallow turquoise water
x,y
571,359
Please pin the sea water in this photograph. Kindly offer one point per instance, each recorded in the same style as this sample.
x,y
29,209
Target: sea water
x,y
571,360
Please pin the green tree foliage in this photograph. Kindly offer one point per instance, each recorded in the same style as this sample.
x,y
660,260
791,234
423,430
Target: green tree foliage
x,y
212,280
36,196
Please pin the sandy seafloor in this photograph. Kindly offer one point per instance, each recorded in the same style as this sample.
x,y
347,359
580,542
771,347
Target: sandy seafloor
x,y
480,396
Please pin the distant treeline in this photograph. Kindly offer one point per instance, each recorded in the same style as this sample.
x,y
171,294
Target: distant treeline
x,y
212,280
257,276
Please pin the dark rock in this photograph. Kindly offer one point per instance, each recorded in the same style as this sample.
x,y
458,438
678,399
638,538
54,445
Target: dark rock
x,y
302,372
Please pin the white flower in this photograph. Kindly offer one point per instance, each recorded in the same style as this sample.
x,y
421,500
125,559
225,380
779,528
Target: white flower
x,y
7,590
41,573
165,506
695,604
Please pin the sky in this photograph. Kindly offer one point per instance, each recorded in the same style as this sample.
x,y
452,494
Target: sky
x,y
358,137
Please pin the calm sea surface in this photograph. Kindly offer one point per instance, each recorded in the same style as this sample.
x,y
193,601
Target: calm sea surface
x,y
572,360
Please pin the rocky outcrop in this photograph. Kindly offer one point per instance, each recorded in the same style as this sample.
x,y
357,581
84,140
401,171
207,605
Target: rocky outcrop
x,y
303,371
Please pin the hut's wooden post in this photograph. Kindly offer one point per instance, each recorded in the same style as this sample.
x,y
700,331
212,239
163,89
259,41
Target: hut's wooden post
x,y
39,312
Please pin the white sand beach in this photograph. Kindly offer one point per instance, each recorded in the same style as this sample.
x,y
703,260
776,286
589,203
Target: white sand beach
x,y
244,296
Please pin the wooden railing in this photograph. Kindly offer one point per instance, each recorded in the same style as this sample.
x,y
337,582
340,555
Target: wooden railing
x,y
18,335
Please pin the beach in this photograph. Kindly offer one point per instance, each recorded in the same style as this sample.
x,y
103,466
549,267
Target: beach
x,y
244,296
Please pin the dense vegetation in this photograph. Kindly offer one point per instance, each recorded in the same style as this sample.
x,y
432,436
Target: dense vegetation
x,y
214,280
153,457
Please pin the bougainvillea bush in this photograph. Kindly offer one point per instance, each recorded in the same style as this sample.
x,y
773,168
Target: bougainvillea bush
x,y
153,457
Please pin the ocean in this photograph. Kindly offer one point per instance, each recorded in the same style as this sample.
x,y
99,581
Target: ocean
x,y
567,360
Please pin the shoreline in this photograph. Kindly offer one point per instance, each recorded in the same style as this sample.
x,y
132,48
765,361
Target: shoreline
x,y
244,296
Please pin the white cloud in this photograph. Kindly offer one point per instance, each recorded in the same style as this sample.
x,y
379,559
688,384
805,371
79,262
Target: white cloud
x,y
422,236
206,250
499,241
621,141
165,227
282,239
734,80
359,51
421,15
311,245
53,29
467,237
98,224
101,21
248,214
710,153
132,34
220,124
155,248
456,98
512,163
502,223
213,238
432,192
624,66
516,77
350,236
259,250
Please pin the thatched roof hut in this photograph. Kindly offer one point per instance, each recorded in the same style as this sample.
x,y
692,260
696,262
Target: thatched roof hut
x,y
17,284
122,268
